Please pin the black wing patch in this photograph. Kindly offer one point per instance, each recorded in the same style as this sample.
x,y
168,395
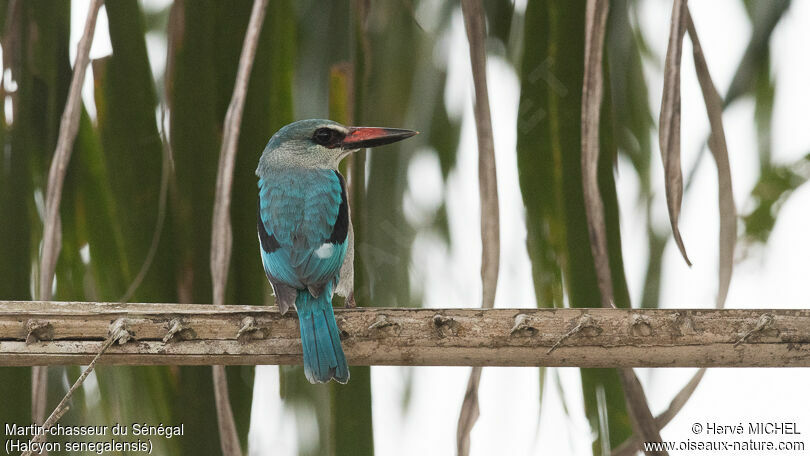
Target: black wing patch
x,y
268,241
341,228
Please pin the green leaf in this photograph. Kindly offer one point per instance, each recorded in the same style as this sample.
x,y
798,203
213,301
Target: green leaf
x,y
131,163
633,125
268,107
499,19
350,432
540,167
774,187
133,155
36,45
551,185
206,53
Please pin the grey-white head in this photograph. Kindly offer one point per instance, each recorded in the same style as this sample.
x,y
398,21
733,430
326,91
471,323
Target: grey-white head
x,y
321,144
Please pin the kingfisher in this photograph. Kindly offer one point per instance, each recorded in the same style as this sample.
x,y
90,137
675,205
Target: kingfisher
x,y
303,224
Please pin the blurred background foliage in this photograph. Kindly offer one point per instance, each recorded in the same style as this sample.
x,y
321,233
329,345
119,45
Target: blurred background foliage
x,y
139,190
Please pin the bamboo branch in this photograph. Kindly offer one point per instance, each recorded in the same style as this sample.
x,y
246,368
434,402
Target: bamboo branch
x,y
475,24
71,333
221,236
52,232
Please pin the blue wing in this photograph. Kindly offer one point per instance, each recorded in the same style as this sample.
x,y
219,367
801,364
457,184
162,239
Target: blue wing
x,y
303,222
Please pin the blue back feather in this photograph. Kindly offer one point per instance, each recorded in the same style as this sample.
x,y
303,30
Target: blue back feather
x,y
299,208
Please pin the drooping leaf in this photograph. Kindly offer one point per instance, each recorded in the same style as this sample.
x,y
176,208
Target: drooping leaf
x,y
717,144
499,15
540,167
384,242
633,124
133,149
551,184
15,262
754,77
669,124
351,429
444,132
643,422
764,17
131,161
632,117
35,51
206,40
596,17
631,446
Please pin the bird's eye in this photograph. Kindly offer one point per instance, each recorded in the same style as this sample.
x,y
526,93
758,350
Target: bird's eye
x,y
323,136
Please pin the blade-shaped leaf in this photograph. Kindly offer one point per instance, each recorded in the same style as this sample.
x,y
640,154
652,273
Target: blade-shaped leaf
x,y
549,121
631,446
754,76
132,162
350,412
205,41
765,16
595,20
540,167
633,123
728,221
221,232
596,14
643,422
670,121
717,145
16,202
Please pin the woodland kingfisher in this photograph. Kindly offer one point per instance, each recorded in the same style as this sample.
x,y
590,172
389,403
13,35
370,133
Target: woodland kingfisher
x,y
303,224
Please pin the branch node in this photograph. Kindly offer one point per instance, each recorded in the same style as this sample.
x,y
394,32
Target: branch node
x,y
179,331
682,323
522,326
586,325
60,413
763,327
250,330
119,331
38,330
640,325
445,326
382,322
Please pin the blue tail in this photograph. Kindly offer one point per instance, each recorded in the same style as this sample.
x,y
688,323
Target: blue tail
x,y
323,354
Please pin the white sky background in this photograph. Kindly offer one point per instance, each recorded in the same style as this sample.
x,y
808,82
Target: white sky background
x,y
773,277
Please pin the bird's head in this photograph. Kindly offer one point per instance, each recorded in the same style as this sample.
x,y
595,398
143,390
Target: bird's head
x,y
319,143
